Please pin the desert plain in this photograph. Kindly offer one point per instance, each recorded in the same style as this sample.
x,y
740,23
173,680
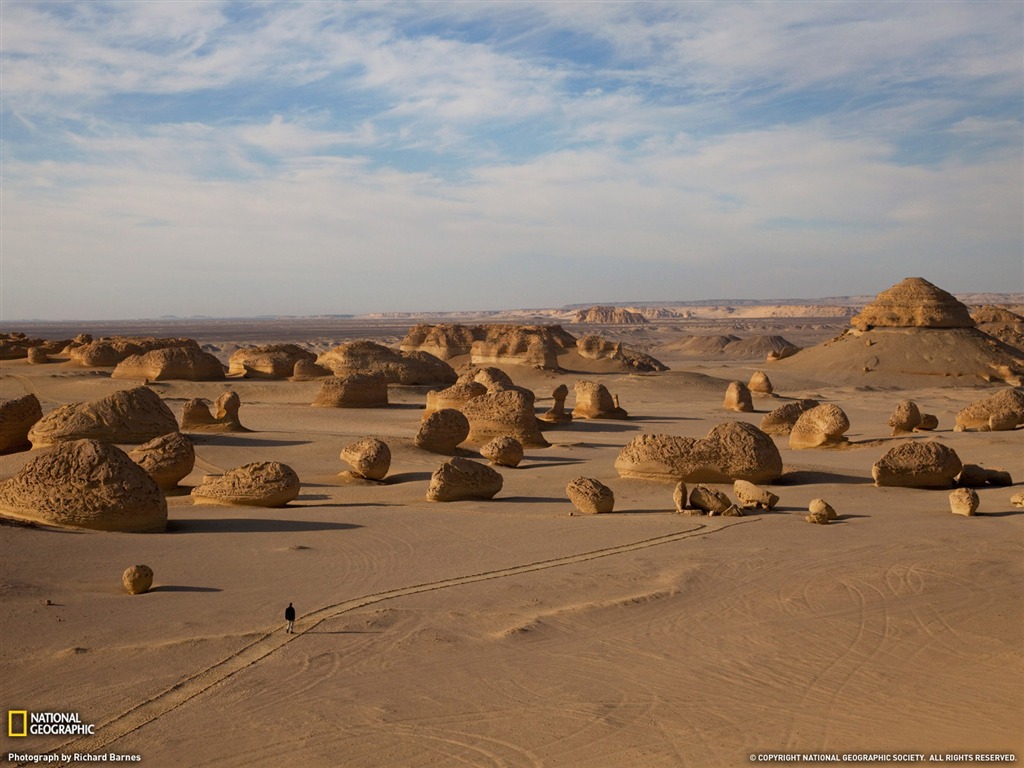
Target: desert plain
x,y
516,631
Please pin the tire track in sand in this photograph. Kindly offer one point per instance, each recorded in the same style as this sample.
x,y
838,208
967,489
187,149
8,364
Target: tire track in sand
x,y
120,725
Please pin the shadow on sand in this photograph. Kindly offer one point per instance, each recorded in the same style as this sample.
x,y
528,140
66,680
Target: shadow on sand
x,y
253,525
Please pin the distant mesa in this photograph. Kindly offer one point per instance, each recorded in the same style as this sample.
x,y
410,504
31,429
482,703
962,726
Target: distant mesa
x,y
185,363
396,367
85,484
196,415
268,361
129,416
107,352
17,417
601,315
260,484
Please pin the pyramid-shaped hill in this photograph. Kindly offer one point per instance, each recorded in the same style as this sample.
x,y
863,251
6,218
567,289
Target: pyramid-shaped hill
x,y
911,330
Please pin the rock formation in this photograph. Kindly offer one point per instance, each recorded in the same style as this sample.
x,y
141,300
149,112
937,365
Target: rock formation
x,y
557,413
109,351
260,484
271,361
369,458
537,346
1001,411
38,356
307,370
915,464
137,579
600,315
354,390
442,431
708,499
737,397
590,496
503,413
460,479
905,417
504,451
186,363
913,303
17,417
455,396
731,451
14,346
597,348
760,383
680,498
594,401
821,512
973,476
167,459
751,496
196,415
85,484
368,357
129,416
731,346
963,501
822,426
781,420
1001,324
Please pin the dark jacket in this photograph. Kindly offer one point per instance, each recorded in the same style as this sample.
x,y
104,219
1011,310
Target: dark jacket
x,y
289,614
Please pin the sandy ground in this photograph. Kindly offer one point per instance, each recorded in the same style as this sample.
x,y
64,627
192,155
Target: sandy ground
x,y
512,632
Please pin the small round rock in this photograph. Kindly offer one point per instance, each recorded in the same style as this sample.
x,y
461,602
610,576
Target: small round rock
x,y
137,579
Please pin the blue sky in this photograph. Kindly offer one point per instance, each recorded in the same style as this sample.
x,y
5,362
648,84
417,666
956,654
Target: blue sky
x,y
309,158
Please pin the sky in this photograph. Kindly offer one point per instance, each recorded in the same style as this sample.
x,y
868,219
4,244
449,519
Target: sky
x,y
252,158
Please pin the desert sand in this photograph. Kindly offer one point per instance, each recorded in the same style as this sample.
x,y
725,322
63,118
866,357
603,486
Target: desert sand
x,y
513,632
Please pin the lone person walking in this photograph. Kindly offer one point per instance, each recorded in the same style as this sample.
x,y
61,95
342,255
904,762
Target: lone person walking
x,y
289,616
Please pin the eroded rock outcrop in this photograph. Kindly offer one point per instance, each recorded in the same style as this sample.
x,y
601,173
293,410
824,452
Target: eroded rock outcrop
x,y
17,417
737,397
914,303
1002,411
109,351
917,464
85,484
369,458
167,459
751,496
442,431
597,348
185,363
355,390
590,496
505,412
460,479
557,413
396,367
537,346
822,426
260,484
196,415
604,315
594,401
760,383
129,416
270,361
781,420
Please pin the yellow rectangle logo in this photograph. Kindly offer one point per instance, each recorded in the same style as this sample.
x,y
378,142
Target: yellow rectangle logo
x,y
11,715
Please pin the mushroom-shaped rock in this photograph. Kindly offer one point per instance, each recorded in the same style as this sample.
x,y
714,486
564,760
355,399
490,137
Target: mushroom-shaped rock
x,y
196,415
506,412
594,401
442,431
307,370
819,427
557,414
708,499
963,501
679,497
822,507
737,397
781,420
268,361
369,458
504,451
917,465
85,484
760,383
137,579
752,497
167,459
1003,410
905,417
357,390
260,484
459,479
731,451
184,363
129,416
17,417
590,496
914,303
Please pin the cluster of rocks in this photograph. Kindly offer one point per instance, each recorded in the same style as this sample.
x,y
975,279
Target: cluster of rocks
x,y
271,361
999,412
907,417
394,366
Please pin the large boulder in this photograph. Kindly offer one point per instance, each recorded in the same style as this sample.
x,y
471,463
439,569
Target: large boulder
x,y
167,459
271,361
183,363
17,417
590,496
781,420
369,458
455,396
917,464
504,451
356,390
820,427
85,484
760,383
914,303
368,357
737,397
129,416
751,496
460,479
1001,411
109,351
442,431
731,451
594,401
507,412
260,484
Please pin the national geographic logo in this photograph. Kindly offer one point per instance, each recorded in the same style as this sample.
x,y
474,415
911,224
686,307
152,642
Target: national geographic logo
x,y
21,722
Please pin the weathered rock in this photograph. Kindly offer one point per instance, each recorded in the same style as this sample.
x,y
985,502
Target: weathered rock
x,y
459,479
17,417
731,451
369,458
709,499
781,420
533,345
85,484
109,351
137,579
821,507
680,498
917,465
260,484
38,356
751,496
504,413
268,361
914,303
186,363
760,383
455,396
964,501
1004,409
929,421
442,431
167,459
196,415
598,348
737,397
368,357
557,414
594,401
307,370
973,476
504,451
1017,499
590,496
821,426
905,417
819,518
129,416
604,315
356,390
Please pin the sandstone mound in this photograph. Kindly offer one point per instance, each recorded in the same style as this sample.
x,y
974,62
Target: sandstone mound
x,y
109,351
129,416
729,345
760,383
17,417
355,390
503,451
85,484
442,431
167,459
913,303
183,363
537,346
307,370
460,479
196,415
594,401
455,396
261,484
819,427
600,315
597,348
369,458
1002,324
781,420
369,358
917,465
738,397
270,361
503,413
731,451
590,496
1001,411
